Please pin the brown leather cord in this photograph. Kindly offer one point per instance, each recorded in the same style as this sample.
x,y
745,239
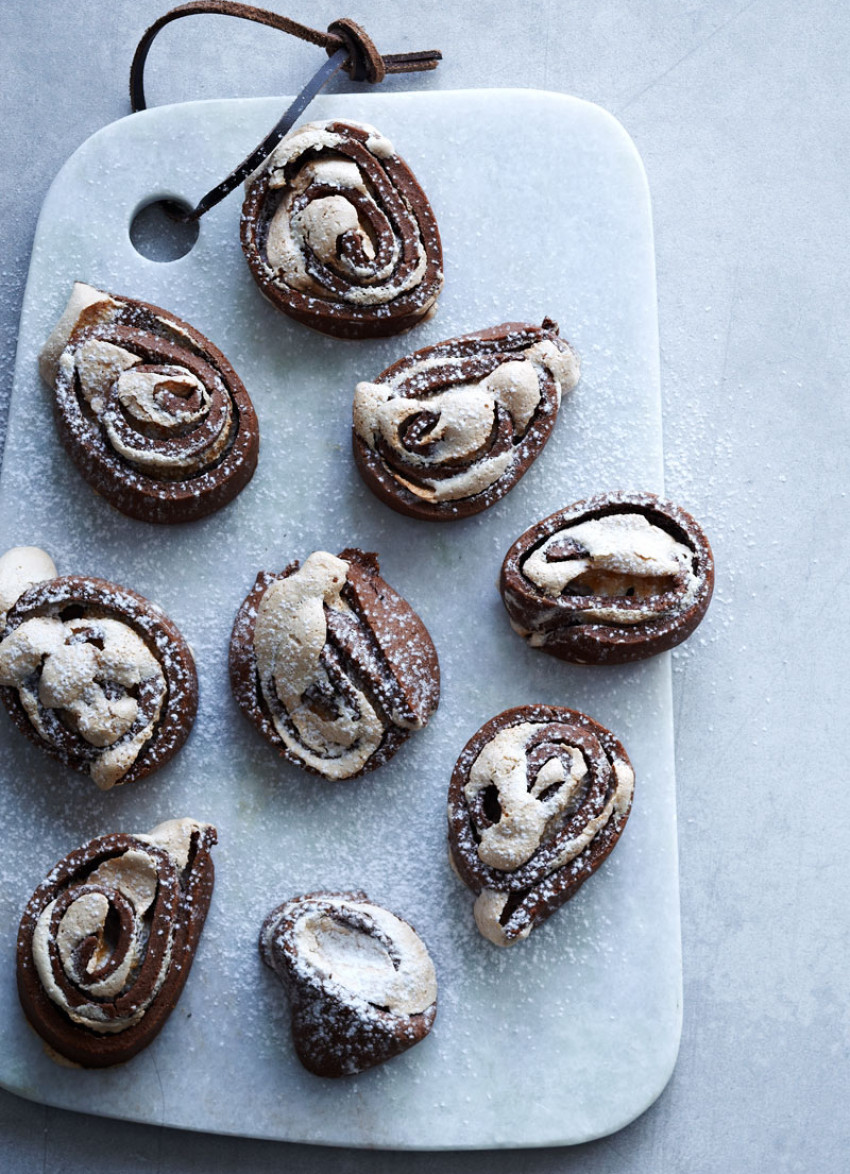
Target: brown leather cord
x,y
348,47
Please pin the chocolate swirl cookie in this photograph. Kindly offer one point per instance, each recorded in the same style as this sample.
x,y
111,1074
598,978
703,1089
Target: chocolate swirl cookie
x,y
107,940
360,982
616,578
152,414
340,236
538,799
331,665
447,431
91,672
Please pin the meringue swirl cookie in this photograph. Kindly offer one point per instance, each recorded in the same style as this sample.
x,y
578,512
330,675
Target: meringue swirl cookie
x,y
331,665
94,674
537,801
152,414
616,578
107,940
360,981
339,235
446,432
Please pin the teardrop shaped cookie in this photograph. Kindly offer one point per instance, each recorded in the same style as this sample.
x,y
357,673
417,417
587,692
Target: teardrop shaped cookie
x,y
94,674
448,431
360,981
339,235
616,578
538,799
107,940
332,666
152,414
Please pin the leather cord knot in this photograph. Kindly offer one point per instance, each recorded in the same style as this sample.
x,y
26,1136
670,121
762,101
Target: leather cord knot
x,y
365,63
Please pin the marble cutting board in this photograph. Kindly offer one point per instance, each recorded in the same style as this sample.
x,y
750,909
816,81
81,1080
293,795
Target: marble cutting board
x,y
544,210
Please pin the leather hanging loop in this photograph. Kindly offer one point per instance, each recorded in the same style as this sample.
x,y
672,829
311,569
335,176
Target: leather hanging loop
x,y
365,63
217,8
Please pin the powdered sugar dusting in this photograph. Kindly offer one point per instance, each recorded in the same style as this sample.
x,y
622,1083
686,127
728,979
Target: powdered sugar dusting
x,y
578,248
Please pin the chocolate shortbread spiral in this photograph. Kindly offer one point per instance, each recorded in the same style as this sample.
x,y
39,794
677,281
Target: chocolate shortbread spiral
x,y
538,799
331,665
339,235
447,431
153,415
107,940
94,674
359,979
616,578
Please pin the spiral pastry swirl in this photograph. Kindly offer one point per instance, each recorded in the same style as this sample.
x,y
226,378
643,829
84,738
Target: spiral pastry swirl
x,y
360,981
151,412
339,235
106,942
538,799
98,677
616,578
331,665
446,432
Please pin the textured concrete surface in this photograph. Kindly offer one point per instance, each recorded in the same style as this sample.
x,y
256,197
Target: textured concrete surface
x,y
739,112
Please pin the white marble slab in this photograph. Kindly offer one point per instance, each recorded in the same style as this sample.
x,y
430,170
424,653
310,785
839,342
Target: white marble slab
x,y
543,207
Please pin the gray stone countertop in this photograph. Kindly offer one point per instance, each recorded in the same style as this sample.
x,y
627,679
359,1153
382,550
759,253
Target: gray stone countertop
x,y
740,113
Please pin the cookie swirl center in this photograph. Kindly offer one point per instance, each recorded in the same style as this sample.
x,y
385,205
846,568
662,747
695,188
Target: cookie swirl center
x,y
516,799
447,428
97,952
168,419
618,557
87,684
105,923
369,953
318,709
341,229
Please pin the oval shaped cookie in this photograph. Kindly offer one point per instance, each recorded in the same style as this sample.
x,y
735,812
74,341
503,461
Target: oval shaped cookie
x,y
616,578
538,799
331,665
360,981
98,677
446,432
107,940
339,235
152,414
